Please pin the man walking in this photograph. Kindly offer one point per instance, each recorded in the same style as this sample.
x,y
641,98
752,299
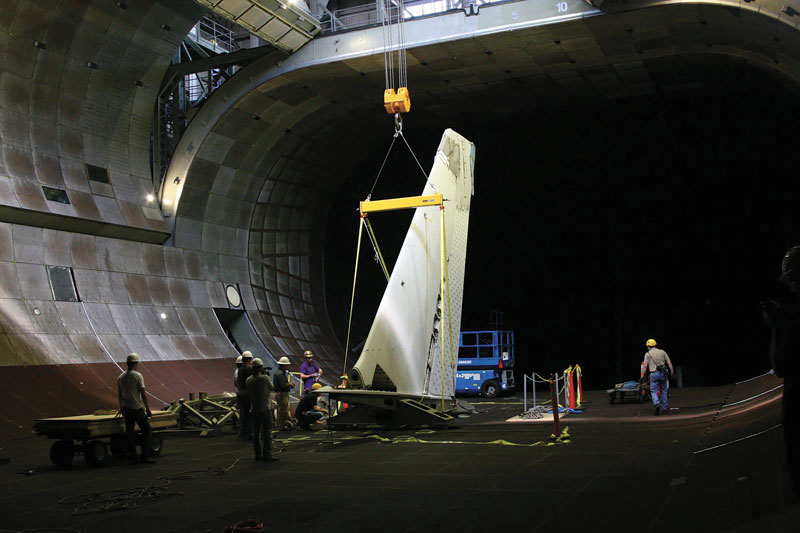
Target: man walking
x,y
282,388
258,388
658,364
310,372
242,400
133,406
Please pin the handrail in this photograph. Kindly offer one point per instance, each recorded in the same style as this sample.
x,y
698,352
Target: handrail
x,y
363,16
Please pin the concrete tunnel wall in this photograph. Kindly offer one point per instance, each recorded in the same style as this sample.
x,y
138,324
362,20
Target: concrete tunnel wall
x,y
256,194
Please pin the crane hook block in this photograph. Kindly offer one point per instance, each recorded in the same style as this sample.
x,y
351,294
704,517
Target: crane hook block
x,y
397,102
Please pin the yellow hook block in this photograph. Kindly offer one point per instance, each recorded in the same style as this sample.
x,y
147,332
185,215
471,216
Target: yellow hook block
x,y
397,102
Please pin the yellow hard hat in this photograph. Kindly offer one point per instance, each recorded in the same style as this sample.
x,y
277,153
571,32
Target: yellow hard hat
x,y
650,343
316,386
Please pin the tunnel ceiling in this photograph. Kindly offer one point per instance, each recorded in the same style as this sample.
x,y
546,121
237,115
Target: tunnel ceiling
x,y
269,166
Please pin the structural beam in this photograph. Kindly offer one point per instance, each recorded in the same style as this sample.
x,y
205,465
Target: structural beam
x,y
408,202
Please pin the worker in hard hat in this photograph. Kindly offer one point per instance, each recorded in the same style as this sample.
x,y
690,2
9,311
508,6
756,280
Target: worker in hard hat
x,y
133,406
782,315
242,400
239,364
660,368
310,372
258,387
308,411
282,386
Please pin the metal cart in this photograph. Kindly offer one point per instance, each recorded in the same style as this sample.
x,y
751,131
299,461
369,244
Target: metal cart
x,y
636,391
87,435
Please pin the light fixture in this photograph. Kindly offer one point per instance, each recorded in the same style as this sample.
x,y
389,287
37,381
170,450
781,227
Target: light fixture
x,y
163,315
37,311
150,197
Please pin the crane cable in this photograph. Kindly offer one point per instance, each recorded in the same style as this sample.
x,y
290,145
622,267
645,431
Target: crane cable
x,y
391,9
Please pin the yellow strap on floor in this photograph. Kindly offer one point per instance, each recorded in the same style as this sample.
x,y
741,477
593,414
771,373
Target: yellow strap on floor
x,y
563,439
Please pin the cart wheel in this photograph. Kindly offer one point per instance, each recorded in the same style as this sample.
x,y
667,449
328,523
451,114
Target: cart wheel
x,y
156,445
490,389
61,452
96,453
119,446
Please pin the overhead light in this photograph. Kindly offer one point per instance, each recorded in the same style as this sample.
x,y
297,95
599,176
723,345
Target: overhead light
x,y
163,315
150,197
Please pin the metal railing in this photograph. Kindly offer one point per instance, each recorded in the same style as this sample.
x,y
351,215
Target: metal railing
x,y
213,35
559,382
356,17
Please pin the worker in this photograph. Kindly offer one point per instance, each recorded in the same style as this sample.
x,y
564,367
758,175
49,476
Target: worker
x,y
660,368
783,318
310,372
282,387
133,406
242,400
236,374
258,387
307,411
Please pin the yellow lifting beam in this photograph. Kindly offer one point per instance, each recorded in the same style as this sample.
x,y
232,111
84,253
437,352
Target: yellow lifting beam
x,y
409,202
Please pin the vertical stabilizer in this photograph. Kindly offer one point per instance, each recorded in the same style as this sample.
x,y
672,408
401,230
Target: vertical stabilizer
x,y
403,352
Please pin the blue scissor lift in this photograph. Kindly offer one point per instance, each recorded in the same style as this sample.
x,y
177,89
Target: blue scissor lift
x,y
485,363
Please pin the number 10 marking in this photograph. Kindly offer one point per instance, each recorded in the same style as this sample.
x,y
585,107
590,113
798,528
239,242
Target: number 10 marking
x,y
562,7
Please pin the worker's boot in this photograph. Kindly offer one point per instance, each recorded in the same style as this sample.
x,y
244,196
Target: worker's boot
x,y
658,410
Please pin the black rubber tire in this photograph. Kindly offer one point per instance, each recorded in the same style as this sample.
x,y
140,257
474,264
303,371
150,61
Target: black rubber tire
x,y
95,453
490,389
62,452
119,446
156,445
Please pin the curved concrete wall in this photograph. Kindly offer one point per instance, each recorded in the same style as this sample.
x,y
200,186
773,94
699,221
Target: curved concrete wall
x,y
259,163
84,94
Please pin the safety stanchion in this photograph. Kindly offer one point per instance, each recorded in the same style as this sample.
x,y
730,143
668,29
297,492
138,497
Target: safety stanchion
x,y
554,395
579,388
569,387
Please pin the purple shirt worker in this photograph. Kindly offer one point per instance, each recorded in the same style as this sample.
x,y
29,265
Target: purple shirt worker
x,y
310,372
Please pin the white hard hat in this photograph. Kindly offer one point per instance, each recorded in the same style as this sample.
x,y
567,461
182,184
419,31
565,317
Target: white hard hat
x,y
239,359
257,362
283,360
133,358
247,354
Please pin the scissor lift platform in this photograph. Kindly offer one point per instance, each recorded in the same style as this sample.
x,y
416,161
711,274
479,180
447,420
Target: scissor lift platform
x,y
87,434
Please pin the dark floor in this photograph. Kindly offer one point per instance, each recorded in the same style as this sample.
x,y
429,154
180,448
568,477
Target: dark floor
x,y
624,470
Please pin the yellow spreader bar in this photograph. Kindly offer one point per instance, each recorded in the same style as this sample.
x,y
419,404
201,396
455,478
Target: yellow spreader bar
x,y
409,202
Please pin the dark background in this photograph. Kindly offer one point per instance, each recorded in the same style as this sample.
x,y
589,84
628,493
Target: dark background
x,y
598,225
